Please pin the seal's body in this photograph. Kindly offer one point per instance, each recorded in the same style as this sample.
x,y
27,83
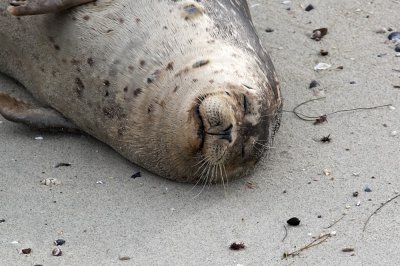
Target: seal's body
x,y
182,88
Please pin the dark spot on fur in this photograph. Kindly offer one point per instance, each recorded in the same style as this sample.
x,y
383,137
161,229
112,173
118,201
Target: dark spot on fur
x,y
109,30
106,83
126,89
165,28
142,63
170,66
137,92
86,17
51,39
138,20
79,87
117,62
73,18
183,71
131,68
90,61
78,69
211,81
200,63
53,73
64,60
75,62
42,69
57,47
121,20
195,80
153,77
176,88
106,94
150,108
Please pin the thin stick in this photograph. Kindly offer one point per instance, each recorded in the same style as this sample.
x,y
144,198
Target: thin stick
x,y
378,209
313,243
360,108
313,118
283,239
303,116
338,220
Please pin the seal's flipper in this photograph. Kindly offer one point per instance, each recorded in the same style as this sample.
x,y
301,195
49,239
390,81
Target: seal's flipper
x,y
36,7
36,117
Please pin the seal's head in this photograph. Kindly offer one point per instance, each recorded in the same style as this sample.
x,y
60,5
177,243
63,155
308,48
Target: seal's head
x,y
214,120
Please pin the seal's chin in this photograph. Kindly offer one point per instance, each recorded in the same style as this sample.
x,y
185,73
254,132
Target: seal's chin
x,y
233,136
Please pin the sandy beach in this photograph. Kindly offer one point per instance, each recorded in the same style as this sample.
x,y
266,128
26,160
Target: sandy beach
x,y
108,218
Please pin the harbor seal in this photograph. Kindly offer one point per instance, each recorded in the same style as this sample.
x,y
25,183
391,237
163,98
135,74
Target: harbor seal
x,y
182,88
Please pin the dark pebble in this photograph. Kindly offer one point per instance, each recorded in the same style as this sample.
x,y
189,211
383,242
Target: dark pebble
x,y
237,246
26,251
2,221
59,242
348,249
355,194
367,189
313,84
135,175
352,82
269,30
323,52
293,221
319,216
309,7
62,164
394,36
397,49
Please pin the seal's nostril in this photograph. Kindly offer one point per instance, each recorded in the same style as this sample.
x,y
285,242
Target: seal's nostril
x,y
227,133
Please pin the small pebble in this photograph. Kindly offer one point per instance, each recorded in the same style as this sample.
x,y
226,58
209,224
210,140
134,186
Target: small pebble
x,y
397,55
56,252
355,194
394,36
322,66
100,182
309,8
59,242
323,52
50,182
348,206
313,84
237,246
319,216
397,49
124,258
62,165
38,138
391,107
26,251
318,34
269,30
2,221
381,30
135,175
367,189
286,2
294,221
352,82
356,174
358,203
393,133
348,249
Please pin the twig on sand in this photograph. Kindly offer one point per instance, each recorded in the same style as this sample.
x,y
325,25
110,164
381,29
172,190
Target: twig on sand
x,y
335,222
283,239
313,243
317,119
378,209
